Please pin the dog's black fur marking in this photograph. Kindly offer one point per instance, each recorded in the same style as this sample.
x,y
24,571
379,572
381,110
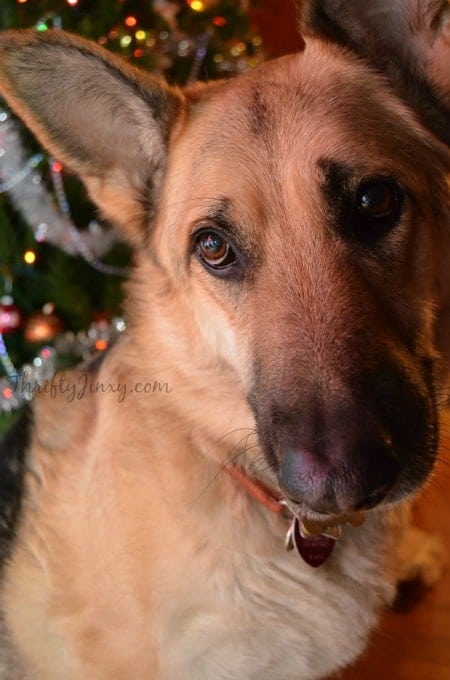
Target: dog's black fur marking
x,y
337,179
340,185
321,24
337,191
259,115
14,446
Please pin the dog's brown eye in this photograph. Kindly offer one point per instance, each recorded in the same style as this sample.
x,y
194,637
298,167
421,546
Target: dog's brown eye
x,y
214,250
377,200
378,206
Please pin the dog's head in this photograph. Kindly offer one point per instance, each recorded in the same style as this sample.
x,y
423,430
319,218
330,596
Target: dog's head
x,y
300,214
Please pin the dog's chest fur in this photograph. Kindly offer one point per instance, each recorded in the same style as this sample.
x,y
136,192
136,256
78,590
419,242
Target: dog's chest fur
x,y
137,582
267,615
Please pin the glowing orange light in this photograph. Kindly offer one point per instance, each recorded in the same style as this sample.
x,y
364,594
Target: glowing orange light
x,y
138,53
57,166
130,21
21,2
219,21
7,393
72,3
101,345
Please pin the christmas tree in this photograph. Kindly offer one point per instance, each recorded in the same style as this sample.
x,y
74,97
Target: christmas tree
x,y
61,269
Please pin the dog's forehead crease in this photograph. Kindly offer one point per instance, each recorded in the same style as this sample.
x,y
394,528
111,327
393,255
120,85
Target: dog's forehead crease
x,y
301,108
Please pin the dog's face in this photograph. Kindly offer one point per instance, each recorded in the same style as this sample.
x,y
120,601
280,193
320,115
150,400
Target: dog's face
x,y
300,211
305,231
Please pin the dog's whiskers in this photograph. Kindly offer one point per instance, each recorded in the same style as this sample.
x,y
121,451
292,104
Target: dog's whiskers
x,y
242,449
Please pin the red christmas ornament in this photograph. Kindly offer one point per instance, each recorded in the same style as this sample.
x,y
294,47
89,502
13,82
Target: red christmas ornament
x,y
10,316
42,326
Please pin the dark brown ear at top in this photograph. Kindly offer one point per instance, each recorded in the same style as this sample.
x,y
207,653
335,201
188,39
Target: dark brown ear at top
x,y
408,40
106,120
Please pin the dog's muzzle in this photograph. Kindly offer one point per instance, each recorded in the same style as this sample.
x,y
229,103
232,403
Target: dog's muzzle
x,y
338,452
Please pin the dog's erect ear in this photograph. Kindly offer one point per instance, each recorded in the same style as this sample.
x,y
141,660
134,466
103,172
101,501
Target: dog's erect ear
x,y
106,120
408,40
437,50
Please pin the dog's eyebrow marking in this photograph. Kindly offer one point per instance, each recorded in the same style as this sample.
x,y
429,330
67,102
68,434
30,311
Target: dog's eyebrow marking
x,y
220,213
337,180
337,190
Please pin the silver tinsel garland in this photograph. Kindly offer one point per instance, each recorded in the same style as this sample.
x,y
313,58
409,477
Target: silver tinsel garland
x,y
21,179
20,387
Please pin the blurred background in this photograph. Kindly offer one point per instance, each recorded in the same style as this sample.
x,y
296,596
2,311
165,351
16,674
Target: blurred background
x,y
61,267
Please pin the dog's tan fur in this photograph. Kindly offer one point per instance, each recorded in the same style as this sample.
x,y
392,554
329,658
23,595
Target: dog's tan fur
x,y
136,557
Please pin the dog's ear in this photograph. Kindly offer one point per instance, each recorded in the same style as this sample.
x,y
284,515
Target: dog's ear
x,y
408,40
437,54
106,120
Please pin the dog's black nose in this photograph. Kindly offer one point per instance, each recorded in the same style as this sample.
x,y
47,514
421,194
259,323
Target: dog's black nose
x,y
340,480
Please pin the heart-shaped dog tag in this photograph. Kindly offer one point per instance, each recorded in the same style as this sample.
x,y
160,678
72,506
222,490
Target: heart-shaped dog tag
x,y
314,550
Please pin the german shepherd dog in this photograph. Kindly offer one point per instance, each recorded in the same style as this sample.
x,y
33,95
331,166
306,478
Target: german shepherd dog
x,y
292,289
